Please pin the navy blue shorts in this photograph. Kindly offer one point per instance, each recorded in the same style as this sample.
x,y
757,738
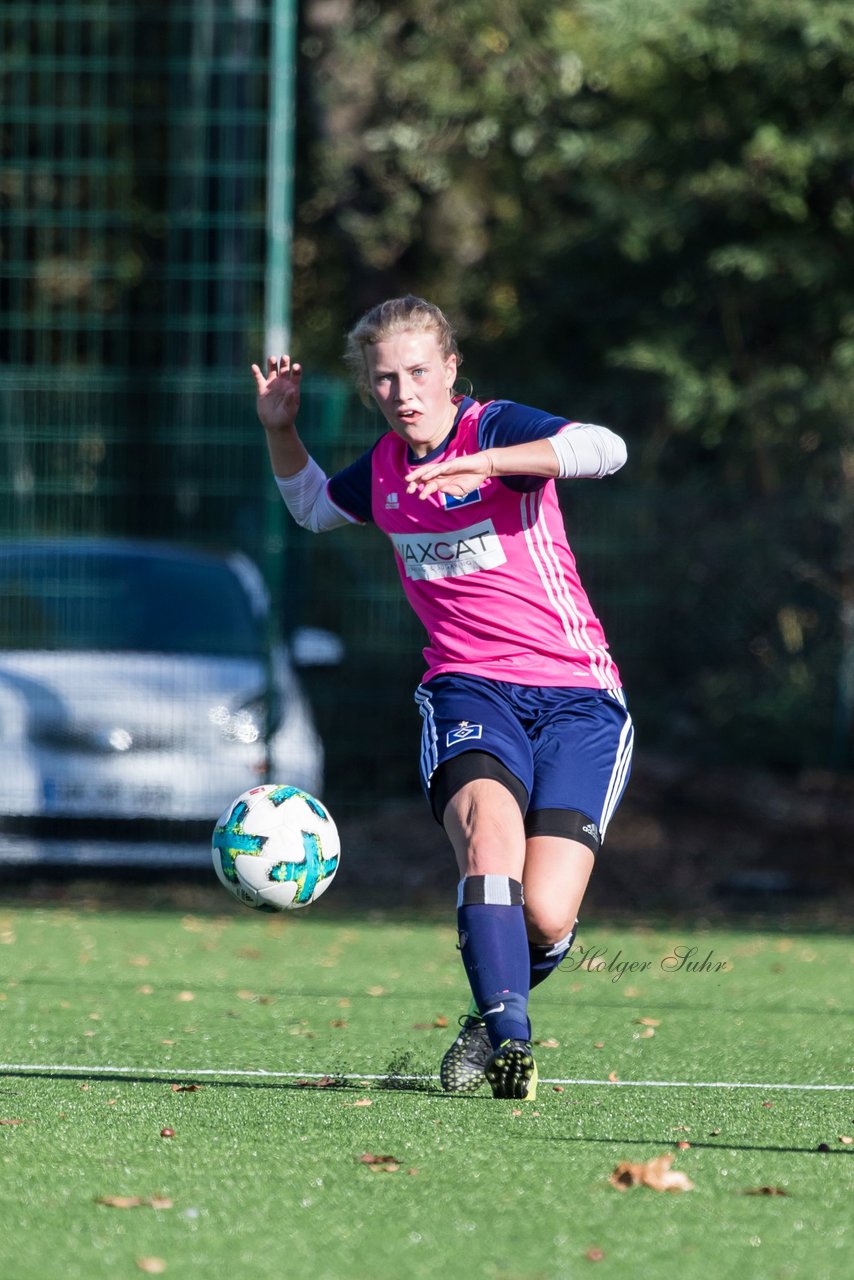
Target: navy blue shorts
x,y
563,749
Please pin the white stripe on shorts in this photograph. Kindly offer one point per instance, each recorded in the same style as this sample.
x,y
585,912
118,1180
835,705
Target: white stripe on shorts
x,y
429,737
619,773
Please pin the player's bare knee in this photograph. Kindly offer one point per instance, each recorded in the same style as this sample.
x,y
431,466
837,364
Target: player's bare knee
x,y
548,922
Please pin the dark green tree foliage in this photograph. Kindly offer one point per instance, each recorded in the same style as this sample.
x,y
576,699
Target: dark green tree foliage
x,y
600,191
642,214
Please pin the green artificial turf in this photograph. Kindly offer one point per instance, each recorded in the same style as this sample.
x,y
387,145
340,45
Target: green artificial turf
x,y
103,1013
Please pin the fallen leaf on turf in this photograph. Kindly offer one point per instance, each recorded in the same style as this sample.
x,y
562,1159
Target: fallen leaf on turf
x,y
713,1133
376,991
647,1033
186,1088
360,1102
655,1174
683,1145
767,1104
154,1266
600,1044
764,1191
11,1122
846,1140
167,1133
380,1164
323,1082
548,1044
649,1022
557,1088
594,1255
613,1077
438,1024
185,996
134,1202
338,1022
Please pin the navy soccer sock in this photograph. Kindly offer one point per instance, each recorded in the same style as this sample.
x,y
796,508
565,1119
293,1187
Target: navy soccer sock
x,y
494,949
544,957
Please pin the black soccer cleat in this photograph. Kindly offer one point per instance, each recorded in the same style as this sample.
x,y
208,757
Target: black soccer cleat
x,y
512,1071
462,1069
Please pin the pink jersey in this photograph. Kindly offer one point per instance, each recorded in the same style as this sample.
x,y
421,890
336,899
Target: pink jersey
x,y
491,576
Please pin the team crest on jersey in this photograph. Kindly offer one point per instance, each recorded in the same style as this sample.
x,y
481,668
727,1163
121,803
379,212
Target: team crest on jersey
x,y
449,501
464,730
392,502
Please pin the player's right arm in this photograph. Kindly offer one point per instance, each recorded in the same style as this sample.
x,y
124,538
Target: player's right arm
x,y
300,480
277,403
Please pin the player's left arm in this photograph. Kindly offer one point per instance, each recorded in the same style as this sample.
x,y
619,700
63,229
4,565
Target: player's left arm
x,y
459,476
547,448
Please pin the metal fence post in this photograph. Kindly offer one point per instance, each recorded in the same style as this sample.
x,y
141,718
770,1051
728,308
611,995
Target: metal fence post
x,y
277,281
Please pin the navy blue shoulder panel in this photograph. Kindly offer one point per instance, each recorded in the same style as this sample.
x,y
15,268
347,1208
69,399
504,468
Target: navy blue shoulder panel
x,y
505,423
350,489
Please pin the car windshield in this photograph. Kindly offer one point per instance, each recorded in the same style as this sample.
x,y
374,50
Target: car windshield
x,y
62,598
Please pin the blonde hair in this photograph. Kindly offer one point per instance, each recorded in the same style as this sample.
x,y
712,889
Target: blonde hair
x,y
397,315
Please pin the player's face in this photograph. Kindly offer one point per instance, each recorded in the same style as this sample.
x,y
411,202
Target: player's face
x,y
411,382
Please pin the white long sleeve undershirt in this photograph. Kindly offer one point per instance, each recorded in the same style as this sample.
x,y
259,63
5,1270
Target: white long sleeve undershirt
x,y
585,451
308,501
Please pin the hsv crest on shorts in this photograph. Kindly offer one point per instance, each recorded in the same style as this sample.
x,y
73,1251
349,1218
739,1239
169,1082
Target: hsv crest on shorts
x,y
463,732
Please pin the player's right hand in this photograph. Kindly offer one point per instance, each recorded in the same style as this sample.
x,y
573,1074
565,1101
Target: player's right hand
x,y
278,391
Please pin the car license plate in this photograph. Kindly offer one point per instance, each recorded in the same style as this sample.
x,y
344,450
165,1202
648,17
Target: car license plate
x,y
104,798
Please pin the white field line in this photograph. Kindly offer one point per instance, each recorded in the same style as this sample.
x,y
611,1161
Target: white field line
x,y
45,1068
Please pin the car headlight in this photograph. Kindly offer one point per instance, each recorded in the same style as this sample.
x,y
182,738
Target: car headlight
x,y
248,723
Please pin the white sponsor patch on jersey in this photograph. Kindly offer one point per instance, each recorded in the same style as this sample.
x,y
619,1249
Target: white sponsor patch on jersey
x,y
450,554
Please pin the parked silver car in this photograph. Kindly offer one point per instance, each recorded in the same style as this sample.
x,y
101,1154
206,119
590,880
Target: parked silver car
x,y
140,681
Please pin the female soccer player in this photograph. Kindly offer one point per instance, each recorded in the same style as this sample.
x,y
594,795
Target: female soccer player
x,y
526,741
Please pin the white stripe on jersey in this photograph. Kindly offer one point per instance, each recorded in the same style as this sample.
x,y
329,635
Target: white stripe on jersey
x,y
429,737
548,566
619,774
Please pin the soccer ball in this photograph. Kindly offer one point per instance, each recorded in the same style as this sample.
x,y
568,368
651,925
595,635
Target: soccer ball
x,y
276,848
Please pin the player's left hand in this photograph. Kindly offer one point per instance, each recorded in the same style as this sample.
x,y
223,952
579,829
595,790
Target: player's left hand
x,y
457,476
